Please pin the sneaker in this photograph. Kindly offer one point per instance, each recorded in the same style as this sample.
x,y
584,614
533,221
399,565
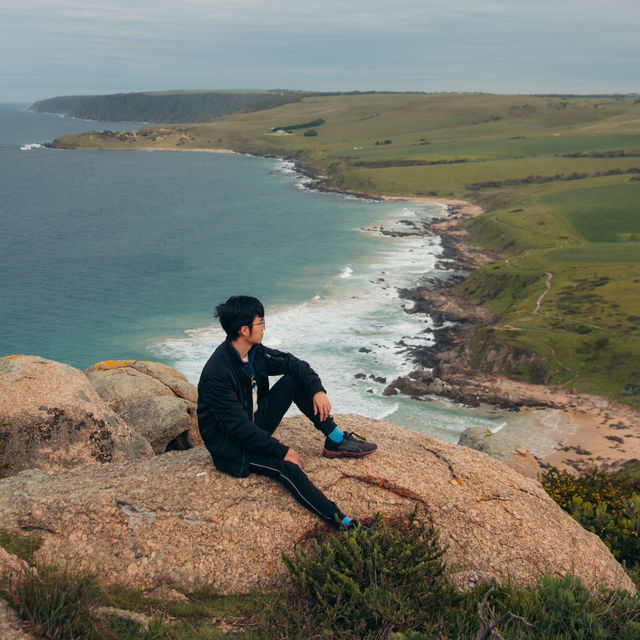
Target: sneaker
x,y
353,446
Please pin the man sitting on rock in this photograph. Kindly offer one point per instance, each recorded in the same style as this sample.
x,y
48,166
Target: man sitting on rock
x,y
238,412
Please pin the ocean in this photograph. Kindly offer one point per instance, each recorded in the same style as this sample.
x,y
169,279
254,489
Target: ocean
x,y
125,254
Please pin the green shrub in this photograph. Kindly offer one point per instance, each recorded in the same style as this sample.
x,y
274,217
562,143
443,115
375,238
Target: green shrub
x,y
605,504
366,583
559,608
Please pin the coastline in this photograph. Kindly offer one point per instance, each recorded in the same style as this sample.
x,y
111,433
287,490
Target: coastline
x,y
172,149
590,429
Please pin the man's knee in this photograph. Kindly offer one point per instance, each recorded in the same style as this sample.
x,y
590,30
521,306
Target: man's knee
x,y
288,384
292,471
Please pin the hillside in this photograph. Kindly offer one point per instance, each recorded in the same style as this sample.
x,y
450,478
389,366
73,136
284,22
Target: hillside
x,y
167,107
558,178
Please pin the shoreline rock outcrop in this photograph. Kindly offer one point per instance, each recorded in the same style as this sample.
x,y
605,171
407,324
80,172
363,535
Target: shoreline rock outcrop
x,y
502,446
174,518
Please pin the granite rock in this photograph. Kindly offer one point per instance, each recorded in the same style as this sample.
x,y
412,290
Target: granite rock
x,y
51,416
11,627
164,421
175,519
133,387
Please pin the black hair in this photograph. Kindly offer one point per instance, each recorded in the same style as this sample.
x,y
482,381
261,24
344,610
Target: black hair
x,y
238,312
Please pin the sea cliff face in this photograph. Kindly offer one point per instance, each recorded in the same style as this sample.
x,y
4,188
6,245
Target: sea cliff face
x,y
174,518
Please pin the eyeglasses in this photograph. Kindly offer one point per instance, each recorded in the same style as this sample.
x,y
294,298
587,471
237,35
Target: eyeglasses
x,y
257,324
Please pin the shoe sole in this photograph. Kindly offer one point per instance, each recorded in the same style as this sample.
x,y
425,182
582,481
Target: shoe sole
x,y
345,454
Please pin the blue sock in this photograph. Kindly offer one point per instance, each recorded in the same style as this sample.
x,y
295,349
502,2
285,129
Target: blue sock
x,y
336,435
346,521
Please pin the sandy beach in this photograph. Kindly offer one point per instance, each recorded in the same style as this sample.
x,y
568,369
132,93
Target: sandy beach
x,y
589,430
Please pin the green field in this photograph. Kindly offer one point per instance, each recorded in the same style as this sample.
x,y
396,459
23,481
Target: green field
x,y
558,178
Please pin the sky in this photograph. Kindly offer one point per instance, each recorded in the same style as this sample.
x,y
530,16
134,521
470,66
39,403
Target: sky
x,y
75,47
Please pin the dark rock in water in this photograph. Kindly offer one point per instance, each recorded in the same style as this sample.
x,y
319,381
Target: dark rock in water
x,y
502,446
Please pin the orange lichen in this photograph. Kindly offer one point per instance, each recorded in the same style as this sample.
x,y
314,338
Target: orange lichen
x,y
112,364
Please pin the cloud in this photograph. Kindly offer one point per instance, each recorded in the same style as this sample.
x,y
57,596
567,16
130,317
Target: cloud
x,y
427,45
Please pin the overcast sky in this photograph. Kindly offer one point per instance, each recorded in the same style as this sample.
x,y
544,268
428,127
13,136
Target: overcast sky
x,y
64,47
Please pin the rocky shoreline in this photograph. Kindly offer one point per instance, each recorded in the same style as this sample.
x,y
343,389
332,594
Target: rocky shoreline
x,y
592,430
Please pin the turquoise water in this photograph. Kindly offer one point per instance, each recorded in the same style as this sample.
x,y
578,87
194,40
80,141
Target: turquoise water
x,y
105,251
109,255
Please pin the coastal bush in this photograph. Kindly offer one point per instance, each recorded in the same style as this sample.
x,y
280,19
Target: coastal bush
x,y
302,125
366,583
558,608
604,503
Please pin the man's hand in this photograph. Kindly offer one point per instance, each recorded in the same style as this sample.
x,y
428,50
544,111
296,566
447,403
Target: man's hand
x,y
292,456
321,405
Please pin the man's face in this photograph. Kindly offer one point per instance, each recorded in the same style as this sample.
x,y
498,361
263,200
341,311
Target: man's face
x,y
257,331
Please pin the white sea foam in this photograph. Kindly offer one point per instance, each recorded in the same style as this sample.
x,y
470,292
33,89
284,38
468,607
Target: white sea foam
x,y
31,145
356,331
355,326
288,168
347,272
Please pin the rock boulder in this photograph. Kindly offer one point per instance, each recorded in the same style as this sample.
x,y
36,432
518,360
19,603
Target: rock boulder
x,y
156,400
11,628
51,416
175,519
165,421
502,446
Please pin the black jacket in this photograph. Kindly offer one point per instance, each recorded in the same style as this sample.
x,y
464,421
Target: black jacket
x,y
225,405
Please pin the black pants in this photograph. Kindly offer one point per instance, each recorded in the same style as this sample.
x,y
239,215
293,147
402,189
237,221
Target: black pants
x,y
270,412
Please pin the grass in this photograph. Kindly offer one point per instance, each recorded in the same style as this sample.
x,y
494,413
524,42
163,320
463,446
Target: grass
x,y
20,546
514,155
606,214
389,582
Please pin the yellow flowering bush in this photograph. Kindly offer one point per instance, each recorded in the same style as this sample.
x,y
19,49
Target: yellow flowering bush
x,y
604,503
